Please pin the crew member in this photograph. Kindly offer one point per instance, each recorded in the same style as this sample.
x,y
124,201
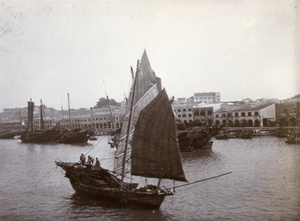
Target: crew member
x,y
97,165
82,159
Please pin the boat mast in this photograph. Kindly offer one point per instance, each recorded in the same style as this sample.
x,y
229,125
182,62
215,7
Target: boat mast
x,y
111,115
30,116
92,118
42,125
20,117
128,127
69,111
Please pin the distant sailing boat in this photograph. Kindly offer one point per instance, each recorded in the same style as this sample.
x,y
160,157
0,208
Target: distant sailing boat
x,y
148,144
74,135
37,136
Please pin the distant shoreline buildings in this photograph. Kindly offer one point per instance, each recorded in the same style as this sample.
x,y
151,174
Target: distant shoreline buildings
x,y
206,108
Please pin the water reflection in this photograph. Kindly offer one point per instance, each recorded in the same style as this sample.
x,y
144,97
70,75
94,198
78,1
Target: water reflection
x,y
198,155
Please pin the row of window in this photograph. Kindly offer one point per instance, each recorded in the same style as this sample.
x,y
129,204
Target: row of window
x,y
243,114
203,112
183,110
184,115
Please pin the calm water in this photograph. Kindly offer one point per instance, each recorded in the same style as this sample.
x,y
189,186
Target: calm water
x,y
264,185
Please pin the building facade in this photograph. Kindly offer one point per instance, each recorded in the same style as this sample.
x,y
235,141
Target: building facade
x,y
184,112
207,97
250,115
204,113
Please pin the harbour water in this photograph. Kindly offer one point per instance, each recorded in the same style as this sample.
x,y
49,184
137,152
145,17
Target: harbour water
x,y
264,183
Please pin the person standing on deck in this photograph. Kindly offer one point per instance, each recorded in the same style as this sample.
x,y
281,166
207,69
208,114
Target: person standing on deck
x,y
82,159
97,165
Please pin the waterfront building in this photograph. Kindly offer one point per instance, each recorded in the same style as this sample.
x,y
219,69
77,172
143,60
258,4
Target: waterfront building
x,y
183,112
248,115
207,97
102,120
288,111
205,112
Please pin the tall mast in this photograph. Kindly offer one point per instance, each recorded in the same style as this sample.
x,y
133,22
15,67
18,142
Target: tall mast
x,y
42,126
128,128
69,111
30,115
20,117
92,117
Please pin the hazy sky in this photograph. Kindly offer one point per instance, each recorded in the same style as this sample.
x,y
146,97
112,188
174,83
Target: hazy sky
x,y
84,48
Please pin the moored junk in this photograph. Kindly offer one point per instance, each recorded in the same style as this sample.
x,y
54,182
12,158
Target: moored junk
x,y
74,135
194,138
41,135
147,147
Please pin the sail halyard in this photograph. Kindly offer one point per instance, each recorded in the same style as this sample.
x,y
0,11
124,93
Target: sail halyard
x,y
155,152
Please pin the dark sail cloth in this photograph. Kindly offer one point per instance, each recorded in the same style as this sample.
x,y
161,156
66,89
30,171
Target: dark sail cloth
x,y
155,151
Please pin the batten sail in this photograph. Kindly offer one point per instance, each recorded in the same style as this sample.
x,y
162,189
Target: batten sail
x,y
146,89
155,151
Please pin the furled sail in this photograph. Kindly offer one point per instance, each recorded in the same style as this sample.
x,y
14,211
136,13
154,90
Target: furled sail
x,y
30,116
155,151
42,125
146,89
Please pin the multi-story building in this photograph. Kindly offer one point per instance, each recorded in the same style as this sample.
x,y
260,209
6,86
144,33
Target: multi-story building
x,y
257,115
207,97
184,112
205,112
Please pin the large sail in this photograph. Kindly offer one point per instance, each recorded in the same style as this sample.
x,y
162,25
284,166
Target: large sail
x,y
146,89
155,151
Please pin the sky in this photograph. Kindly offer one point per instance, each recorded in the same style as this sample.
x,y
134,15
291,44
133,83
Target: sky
x,y
240,48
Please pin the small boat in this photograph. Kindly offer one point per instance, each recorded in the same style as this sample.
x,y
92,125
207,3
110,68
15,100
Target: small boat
x,y
7,134
147,148
222,135
93,138
208,145
246,134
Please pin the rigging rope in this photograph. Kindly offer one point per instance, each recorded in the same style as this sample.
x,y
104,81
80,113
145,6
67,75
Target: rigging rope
x,y
94,146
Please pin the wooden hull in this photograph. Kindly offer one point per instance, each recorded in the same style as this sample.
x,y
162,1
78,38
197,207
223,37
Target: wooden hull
x,y
39,136
221,137
75,136
125,198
